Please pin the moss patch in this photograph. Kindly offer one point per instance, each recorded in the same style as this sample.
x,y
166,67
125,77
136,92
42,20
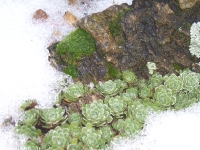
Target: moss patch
x,y
73,48
178,67
76,45
72,70
114,26
112,71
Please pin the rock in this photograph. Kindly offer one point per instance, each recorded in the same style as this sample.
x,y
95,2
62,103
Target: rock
x,y
7,121
72,2
40,15
127,37
72,19
152,31
187,3
97,25
76,2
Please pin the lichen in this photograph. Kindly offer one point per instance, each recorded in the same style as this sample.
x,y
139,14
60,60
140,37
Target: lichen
x,y
195,39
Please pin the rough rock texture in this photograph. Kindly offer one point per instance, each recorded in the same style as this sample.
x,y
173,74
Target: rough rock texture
x,y
72,2
127,37
71,18
187,3
40,14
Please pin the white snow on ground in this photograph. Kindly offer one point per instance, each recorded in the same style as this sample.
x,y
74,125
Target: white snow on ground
x,y
168,131
26,74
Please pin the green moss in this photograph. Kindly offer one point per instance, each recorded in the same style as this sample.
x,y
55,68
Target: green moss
x,y
72,70
114,25
178,67
76,45
71,50
113,72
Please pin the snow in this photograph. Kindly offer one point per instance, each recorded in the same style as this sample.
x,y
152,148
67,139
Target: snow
x,y
26,74
167,130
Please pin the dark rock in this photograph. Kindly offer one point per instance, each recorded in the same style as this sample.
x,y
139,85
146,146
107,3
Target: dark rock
x,y
127,37
156,31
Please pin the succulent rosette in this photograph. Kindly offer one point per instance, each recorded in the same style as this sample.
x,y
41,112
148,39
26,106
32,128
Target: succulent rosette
x,y
53,148
155,80
130,94
53,117
142,83
174,82
29,131
194,93
74,92
74,129
31,145
57,138
190,79
107,133
75,118
91,137
164,97
127,127
30,117
111,88
117,105
139,110
74,147
183,100
145,92
96,113
129,77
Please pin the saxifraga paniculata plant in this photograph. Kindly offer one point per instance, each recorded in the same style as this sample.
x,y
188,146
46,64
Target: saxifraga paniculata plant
x,y
53,117
121,111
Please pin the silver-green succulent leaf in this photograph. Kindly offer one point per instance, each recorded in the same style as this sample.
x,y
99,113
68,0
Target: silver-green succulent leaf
x,y
75,118
117,105
58,137
91,137
75,144
31,145
194,93
29,131
107,133
111,88
74,92
130,94
54,148
190,79
183,100
75,130
129,77
142,83
164,97
175,83
140,110
127,127
53,117
96,113
74,147
30,117
145,92
155,80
